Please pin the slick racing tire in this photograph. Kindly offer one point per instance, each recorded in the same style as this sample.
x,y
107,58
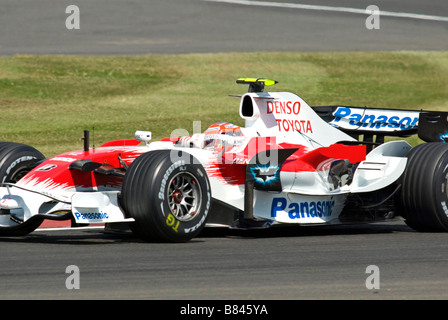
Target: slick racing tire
x,y
424,193
168,198
16,160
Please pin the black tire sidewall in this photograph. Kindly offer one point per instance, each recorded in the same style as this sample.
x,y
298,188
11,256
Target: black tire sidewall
x,y
15,158
167,221
21,162
423,197
440,183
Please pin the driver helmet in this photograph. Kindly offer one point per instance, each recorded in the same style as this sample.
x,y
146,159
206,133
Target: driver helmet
x,y
214,134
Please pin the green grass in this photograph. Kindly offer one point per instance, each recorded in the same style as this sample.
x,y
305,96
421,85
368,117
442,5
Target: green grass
x,y
47,101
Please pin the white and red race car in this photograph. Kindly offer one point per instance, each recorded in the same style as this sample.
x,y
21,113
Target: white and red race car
x,y
290,164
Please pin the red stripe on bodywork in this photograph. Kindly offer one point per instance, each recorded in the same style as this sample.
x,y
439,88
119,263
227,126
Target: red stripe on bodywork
x,y
316,160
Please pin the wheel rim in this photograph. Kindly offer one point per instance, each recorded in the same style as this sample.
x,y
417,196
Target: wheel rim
x,y
19,175
184,196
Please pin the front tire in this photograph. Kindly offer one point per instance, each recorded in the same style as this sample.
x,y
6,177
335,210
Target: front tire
x,y
16,160
169,199
424,194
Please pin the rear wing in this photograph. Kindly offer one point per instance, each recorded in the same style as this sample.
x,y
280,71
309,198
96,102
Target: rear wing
x,y
431,126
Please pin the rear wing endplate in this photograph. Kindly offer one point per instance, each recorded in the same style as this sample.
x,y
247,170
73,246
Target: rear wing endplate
x,y
433,126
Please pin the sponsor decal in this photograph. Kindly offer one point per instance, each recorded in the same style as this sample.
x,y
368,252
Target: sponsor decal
x,y
47,167
195,227
294,125
353,118
165,178
91,216
283,107
444,207
16,162
172,222
286,124
265,175
63,159
306,209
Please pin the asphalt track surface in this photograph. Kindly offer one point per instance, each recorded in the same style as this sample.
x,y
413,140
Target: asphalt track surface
x,y
293,263
188,26
279,264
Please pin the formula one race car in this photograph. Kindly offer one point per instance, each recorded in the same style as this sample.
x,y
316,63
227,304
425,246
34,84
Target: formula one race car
x,y
290,164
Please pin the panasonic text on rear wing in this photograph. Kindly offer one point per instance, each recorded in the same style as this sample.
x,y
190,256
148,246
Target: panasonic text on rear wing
x,y
431,126
384,120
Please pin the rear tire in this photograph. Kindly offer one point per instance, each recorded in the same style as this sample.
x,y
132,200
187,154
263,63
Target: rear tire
x,y
16,160
168,200
424,194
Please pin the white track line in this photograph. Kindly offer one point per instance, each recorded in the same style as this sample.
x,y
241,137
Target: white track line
x,y
334,9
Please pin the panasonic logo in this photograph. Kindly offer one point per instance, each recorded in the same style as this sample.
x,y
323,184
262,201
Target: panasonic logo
x,y
297,210
92,216
375,119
